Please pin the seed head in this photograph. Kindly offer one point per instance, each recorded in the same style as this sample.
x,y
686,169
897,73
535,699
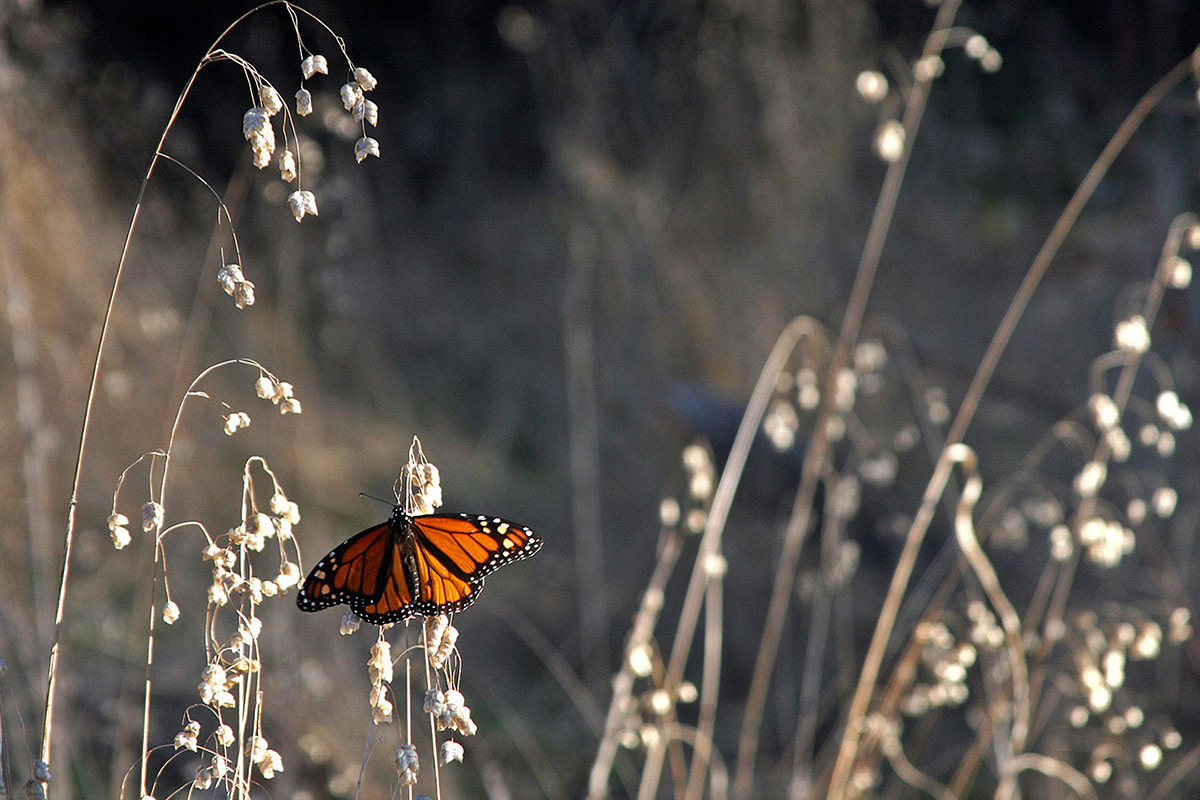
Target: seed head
x,y
187,736
289,576
364,79
366,146
229,276
287,166
407,764
435,702
244,296
889,141
152,516
170,613
236,421
351,93
302,202
272,103
871,85
366,111
304,102
120,537
1132,335
255,122
312,65
379,665
271,763
450,751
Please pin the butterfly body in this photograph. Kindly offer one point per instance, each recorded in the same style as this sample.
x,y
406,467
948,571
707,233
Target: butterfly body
x,y
419,565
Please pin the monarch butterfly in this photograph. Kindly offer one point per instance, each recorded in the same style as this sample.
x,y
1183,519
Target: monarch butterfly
x,y
415,565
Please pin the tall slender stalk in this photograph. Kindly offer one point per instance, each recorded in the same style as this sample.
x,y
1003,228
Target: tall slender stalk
x,y
920,525
819,446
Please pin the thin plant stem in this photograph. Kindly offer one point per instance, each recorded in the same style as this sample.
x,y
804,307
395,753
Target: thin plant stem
x,y
714,528
985,573
987,367
819,446
710,683
649,610
89,403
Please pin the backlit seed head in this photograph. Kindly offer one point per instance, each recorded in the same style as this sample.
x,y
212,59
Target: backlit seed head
x,y
929,68
1104,411
272,103
266,388
366,146
271,763
975,46
287,166
668,512
991,61
407,764
236,421
1091,478
255,122
302,202
871,85
379,665
1132,335
450,751
120,537
1179,275
640,661
364,79
170,613
312,65
351,93
289,576
152,516
370,113
1163,500
229,276
224,736
304,102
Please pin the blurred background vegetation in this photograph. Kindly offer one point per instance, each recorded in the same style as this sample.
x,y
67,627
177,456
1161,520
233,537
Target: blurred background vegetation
x,y
589,224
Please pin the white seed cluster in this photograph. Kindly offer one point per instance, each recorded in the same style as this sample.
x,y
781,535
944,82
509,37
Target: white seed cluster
x,y
278,392
946,662
407,764
379,667
235,285
438,637
118,530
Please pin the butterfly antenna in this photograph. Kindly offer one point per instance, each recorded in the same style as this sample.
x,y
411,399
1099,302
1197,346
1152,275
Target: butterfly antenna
x,y
373,497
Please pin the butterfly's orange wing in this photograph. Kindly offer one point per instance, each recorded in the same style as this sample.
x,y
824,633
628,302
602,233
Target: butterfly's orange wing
x,y
353,572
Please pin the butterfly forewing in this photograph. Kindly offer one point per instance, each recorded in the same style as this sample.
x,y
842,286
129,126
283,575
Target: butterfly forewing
x,y
471,546
354,571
